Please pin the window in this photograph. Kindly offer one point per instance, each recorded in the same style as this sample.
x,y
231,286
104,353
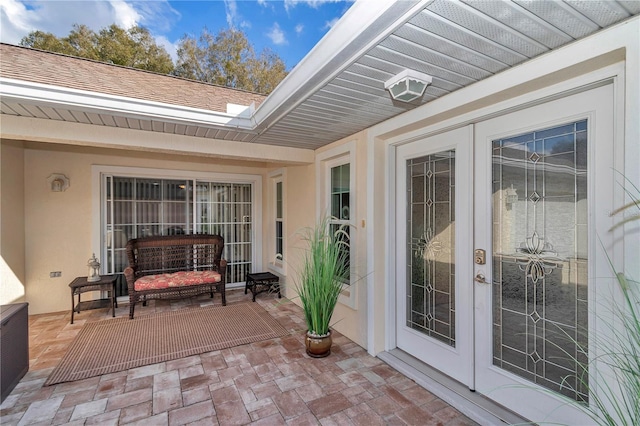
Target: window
x,y
139,206
335,181
340,208
277,242
279,237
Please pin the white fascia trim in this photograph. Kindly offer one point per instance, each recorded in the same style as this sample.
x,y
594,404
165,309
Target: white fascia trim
x,y
336,45
56,96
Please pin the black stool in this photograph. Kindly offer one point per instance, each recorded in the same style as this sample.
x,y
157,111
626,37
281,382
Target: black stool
x,y
266,280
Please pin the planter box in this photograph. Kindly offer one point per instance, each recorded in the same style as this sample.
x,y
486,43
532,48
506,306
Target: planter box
x,y
14,346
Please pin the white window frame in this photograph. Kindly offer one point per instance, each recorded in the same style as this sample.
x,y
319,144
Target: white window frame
x,y
278,265
98,213
325,161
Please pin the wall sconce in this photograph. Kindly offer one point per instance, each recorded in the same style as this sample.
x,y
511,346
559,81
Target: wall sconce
x,y
407,86
58,182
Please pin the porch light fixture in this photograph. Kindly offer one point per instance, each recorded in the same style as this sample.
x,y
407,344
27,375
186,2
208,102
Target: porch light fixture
x,y
407,86
58,182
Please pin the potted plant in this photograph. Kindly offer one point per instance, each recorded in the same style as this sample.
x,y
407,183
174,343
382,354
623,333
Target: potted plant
x,y
324,269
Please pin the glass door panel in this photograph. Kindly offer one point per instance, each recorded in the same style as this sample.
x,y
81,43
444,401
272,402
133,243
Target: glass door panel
x,y
139,207
433,256
431,246
543,178
539,263
226,209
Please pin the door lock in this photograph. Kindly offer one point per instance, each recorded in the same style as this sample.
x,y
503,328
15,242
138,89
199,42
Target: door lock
x,y
479,257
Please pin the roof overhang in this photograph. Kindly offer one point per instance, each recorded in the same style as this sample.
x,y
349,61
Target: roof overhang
x,y
47,95
338,89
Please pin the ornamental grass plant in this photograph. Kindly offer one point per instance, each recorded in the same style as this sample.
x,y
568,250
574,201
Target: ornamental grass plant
x,y
324,271
615,400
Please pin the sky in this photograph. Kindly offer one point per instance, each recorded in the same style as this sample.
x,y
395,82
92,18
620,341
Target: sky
x,y
288,27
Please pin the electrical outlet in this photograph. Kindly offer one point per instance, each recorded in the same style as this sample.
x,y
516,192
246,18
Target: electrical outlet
x,y
55,274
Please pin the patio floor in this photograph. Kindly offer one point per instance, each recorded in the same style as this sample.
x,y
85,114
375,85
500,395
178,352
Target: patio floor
x,y
270,383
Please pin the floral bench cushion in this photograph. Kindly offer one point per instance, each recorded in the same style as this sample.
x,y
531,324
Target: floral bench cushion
x,y
176,279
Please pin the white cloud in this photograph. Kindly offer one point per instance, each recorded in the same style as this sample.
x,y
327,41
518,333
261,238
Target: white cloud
x,y
234,18
299,28
329,24
18,18
15,21
156,15
126,16
277,35
171,48
288,4
262,3
231,8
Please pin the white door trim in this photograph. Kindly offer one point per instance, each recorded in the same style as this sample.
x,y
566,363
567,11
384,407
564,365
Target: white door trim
x,y
613,74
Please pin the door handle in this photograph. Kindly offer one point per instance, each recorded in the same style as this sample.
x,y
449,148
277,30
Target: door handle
x,y
480,278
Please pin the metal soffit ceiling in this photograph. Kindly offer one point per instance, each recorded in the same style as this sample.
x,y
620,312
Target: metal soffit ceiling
x,y
458,43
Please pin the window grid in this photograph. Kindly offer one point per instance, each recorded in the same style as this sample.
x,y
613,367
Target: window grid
x,y
139,207
340,204
279,237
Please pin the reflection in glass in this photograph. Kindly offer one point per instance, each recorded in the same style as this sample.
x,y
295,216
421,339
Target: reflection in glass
x,y
430,247
540,257
340,190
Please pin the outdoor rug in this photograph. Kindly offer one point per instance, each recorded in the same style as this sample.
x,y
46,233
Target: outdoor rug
x,y
119,344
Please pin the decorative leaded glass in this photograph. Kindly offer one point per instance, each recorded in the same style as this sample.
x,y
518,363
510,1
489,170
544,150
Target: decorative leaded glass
x,y
430,248
540,257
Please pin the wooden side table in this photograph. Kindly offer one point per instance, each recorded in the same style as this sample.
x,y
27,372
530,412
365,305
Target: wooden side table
x,y
266,280
81,285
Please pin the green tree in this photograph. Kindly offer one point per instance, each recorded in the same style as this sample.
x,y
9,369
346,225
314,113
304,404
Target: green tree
x,y
45,41
134,47
229,59
266,71
82,42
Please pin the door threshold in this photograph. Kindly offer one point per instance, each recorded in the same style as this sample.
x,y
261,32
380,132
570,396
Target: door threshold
x,y
473,405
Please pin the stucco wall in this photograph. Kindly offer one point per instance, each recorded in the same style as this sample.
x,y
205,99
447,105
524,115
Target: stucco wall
x,y
58,226
12,255
303,210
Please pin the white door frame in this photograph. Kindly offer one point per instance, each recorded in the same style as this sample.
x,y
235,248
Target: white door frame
x,y
613,74
493,381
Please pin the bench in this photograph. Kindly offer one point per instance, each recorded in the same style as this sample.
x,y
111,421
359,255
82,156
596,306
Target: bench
x,y
174,266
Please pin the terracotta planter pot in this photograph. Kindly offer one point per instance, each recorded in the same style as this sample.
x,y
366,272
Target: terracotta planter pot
x,y
318,346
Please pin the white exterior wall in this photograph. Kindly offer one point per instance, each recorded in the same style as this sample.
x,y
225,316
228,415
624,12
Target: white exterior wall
x,y
305,203
12,253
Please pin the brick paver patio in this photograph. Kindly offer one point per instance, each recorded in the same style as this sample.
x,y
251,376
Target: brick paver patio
x,y
271,382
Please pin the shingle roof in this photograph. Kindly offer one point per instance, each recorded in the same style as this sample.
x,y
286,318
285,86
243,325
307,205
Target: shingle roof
x,y
38,66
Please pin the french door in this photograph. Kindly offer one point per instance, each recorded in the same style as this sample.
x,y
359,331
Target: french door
x,y
497,235
433,264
